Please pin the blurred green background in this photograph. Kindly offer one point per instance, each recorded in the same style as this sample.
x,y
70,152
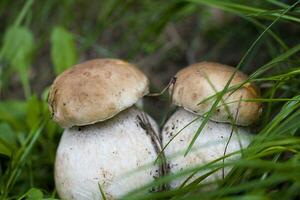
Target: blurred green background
x,y
40,39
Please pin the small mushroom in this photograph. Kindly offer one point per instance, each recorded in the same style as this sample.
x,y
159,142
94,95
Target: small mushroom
x,y
199,81
106,138
193,85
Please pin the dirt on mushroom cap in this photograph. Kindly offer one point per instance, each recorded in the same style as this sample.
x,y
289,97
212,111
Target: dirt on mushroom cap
x,y
95,91
199,81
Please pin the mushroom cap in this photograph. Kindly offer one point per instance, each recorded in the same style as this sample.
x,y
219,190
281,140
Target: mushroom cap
x,y
94,91
199,81
117,154
209,146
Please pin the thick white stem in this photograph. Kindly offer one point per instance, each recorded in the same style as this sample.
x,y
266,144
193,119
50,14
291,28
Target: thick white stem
x,y
110,154
210,145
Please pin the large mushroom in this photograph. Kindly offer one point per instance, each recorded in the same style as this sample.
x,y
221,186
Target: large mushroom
x,y
106,139
191,91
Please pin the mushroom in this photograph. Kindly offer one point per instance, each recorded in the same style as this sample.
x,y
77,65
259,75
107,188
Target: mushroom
x,y
195,84
106,138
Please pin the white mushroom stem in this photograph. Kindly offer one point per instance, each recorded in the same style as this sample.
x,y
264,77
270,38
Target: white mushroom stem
x,y
210,145
110,154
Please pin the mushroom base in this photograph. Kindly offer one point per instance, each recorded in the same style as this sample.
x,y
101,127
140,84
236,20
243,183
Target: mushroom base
x,y
210,144
117,155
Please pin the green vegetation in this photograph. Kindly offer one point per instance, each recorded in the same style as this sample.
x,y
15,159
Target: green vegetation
x,y
40,39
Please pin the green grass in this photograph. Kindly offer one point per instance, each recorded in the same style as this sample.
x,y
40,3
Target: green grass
x,y
258,37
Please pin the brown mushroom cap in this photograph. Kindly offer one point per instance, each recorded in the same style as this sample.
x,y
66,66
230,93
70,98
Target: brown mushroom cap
x,y
199,81
94,91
